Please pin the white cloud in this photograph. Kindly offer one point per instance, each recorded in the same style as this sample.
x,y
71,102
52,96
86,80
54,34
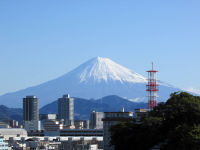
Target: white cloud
x,y
193,90
139,99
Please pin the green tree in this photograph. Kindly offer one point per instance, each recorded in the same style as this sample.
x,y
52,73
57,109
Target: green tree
x,y
172,125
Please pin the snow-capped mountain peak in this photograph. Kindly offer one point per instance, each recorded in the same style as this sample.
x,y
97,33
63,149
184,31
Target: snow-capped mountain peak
x,y
93,79
103,69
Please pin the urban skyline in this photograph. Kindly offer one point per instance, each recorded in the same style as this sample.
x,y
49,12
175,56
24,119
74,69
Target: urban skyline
x,y
99,52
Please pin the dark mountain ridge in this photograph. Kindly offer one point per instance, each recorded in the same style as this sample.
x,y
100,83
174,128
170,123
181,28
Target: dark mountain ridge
x,y
82,107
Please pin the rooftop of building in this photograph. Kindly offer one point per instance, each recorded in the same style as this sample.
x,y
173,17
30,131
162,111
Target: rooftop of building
x,y
61,138
118,112
12,131
141,110
31,96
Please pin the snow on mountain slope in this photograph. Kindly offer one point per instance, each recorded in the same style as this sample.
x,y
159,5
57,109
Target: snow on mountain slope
x,y
105,69
95,78
193,90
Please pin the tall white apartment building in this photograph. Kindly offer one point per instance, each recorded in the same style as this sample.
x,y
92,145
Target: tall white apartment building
x,y
66,110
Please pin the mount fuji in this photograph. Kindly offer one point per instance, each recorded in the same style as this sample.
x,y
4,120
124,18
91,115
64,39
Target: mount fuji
x,y
93,79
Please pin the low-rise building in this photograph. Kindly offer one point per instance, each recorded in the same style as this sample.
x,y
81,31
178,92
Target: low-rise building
x,y
4,125
96,120
81,124
81,132
3,144
86,124
62,143
48,116
140,113
52,127
13,132
83,143
33,125
110,119
36,133
12,123
78,124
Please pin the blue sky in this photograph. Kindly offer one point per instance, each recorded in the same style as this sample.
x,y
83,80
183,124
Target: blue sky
x,y
43,39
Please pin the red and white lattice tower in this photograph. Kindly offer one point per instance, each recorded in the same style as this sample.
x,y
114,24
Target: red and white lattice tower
x,y
152,88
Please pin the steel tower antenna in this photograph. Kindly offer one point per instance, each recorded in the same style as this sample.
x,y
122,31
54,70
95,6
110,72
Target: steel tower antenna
x,y
152,88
